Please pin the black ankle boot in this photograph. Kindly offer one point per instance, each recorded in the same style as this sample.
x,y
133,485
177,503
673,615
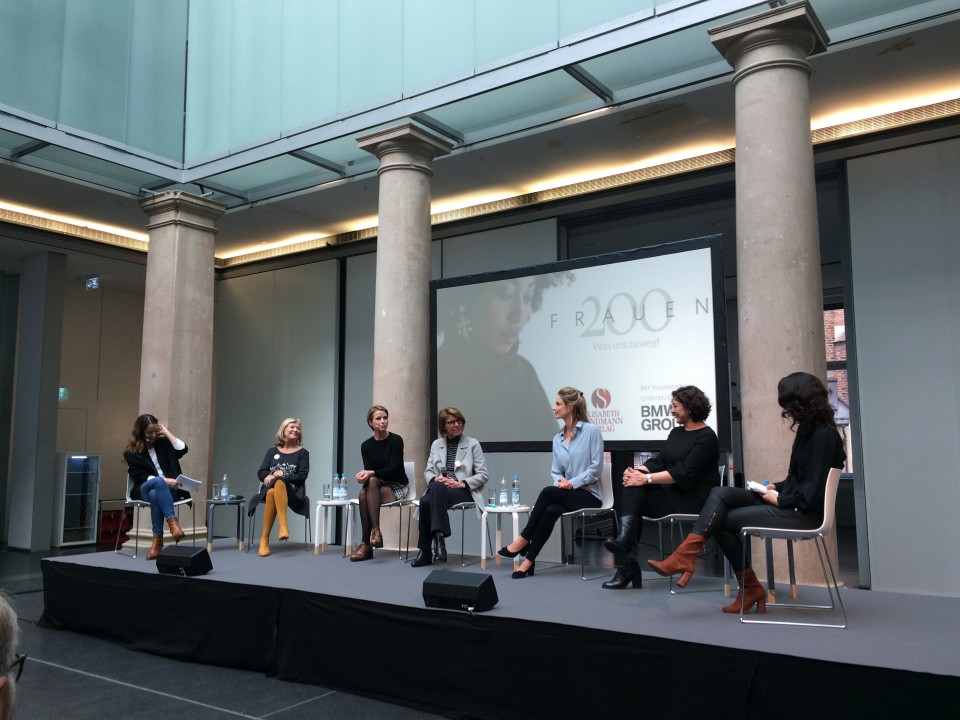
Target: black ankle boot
x,y
626,541
422,558
628,573
439,549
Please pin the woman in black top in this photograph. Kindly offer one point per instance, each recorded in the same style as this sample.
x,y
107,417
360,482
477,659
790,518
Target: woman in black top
x,y
283,474
383,479
677,480
153,464
794,503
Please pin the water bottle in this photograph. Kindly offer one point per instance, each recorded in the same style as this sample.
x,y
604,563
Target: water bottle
x,y
335,488
343,487
515,491
224,489
503,492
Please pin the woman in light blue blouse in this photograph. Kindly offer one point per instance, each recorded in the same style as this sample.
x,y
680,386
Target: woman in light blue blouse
x,y
577,462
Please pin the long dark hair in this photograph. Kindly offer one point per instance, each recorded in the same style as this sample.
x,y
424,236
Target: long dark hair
x,y
803,398
137,443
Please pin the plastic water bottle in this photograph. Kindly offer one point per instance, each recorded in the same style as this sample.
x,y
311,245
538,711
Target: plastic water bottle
x,y
339,489
502,501
224,488
515,491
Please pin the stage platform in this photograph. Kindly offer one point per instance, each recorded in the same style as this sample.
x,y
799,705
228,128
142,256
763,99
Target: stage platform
x,y
554,645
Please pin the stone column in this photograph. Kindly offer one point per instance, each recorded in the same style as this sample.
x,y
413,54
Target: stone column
x,y
401,340
176,365
779,293
33,445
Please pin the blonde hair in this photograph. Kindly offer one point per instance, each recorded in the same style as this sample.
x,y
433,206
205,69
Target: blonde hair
x,y
283,426
574,398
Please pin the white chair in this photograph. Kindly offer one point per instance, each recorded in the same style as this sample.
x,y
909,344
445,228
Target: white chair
x,y
476,504
818,535
606,505
675,520
135,504
405,502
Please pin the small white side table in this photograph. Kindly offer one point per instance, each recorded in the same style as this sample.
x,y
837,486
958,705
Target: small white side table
x,y
320,523
500,512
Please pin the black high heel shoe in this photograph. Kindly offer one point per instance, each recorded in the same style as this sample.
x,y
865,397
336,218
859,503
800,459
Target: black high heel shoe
x,y
520,574
504,552
627,574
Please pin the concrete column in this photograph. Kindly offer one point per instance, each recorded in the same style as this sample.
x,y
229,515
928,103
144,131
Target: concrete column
x,y
33,452
176,365
401,340
779,292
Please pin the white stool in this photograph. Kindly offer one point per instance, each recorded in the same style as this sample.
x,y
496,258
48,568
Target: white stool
x,y
500,512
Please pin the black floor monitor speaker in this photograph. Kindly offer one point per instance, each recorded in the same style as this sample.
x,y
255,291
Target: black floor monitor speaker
x,y
459,591
184,560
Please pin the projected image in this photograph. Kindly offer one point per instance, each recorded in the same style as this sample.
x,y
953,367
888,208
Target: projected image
x,y
480,364
628,329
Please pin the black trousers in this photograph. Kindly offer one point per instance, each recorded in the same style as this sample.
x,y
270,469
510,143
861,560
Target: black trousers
x,y
728,510
552,502
657,501
433,511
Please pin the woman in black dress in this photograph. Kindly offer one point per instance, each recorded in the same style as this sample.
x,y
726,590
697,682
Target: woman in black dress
x,y
677,480
383,479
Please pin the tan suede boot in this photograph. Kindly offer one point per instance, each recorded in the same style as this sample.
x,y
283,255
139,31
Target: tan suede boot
x,y
155,547
752,592
175,530
683,560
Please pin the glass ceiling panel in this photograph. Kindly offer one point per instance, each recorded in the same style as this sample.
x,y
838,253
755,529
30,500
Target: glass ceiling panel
x,y
836,13
280,169
345,152
555,94
11,141
660,58
79,165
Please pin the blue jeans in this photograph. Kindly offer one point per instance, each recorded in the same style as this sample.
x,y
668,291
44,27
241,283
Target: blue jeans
x,y
156,492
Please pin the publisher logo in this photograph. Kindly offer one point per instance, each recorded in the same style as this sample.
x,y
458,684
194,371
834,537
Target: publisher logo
x,y
600,398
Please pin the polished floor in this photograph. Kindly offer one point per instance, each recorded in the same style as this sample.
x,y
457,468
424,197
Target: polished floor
x,y
78,677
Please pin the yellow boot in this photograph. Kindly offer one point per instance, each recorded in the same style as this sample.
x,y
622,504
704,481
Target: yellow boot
x,y
280,498
269,515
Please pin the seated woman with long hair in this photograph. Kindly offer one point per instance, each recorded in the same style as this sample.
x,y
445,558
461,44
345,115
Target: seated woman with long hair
x,y
796,502
576,467
153,463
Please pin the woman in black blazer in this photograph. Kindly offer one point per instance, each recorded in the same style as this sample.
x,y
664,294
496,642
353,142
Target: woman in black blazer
x,y
153,463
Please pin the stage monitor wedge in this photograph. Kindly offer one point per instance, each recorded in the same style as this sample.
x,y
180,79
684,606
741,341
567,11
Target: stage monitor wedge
x,y
184,560
473,592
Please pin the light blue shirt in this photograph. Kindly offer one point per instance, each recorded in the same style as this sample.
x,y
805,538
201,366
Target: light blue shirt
x,y
581,461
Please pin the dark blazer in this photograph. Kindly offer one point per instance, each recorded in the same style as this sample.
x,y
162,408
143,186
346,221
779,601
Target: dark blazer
x,y
140,466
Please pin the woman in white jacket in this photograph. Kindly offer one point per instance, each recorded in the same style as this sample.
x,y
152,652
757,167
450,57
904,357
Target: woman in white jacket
x,y
456,469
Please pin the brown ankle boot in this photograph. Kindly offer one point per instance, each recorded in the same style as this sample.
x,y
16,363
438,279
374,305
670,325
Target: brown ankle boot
x,y
364,552
175,529
155,547
683,560
752,592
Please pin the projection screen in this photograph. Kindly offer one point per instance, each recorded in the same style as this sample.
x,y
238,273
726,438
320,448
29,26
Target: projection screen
x,y
625,328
